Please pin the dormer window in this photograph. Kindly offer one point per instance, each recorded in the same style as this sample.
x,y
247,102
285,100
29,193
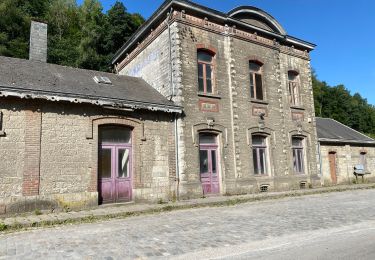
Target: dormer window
x,y
205,72
256,85
102,80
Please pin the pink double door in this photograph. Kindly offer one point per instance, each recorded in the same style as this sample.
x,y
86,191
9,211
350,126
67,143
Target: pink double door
x,y
115,178
208,157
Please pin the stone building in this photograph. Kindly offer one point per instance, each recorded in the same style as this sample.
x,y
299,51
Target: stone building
x,y
202,103
342,149
245,88
75,138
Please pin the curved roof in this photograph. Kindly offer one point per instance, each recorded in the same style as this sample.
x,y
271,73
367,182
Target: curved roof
x,y
257,17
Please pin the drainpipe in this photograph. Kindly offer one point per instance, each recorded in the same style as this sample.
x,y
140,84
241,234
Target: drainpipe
x,y
176,157
170,53
176,115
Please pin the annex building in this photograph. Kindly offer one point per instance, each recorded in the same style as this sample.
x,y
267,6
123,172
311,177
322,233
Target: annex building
x,y
203,103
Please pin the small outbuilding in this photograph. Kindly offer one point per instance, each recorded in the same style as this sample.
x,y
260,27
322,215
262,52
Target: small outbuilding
x,y
341,150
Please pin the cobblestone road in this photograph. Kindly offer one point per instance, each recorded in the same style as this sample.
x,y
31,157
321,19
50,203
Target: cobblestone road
x,y
179,233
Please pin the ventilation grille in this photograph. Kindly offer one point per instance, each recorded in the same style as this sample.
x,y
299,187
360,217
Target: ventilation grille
x,y
102,80
302,185
263,188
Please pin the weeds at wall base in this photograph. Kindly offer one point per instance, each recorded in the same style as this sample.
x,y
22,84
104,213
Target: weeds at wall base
x,y
159,208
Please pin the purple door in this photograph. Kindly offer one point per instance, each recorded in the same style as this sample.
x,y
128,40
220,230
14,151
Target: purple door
x,y
115,164
208,157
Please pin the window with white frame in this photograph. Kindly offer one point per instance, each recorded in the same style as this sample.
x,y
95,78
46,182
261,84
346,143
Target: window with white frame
x,y
259,147
256,85
205,72
298,154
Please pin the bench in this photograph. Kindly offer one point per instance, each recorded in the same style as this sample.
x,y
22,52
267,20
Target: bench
x,y
359,170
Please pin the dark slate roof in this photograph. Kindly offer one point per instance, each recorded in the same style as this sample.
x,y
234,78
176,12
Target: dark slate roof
x,y
34,79
330,130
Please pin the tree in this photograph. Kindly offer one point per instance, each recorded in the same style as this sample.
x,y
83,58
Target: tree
x,y
119,27
337,103
64,32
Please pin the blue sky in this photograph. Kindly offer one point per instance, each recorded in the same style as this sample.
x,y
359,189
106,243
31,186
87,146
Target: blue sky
x,y
342,29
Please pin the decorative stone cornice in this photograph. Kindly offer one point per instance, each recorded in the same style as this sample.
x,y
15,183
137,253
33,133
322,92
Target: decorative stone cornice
x,y
205,24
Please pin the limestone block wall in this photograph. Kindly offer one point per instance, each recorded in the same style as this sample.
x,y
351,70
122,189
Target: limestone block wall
x,y
49,154
234,115
196,119
153,65
347,156
12,148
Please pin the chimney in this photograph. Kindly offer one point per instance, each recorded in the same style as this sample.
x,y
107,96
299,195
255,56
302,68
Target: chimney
x,y
38,41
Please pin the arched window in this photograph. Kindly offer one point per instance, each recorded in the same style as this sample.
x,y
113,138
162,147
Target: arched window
x,y
205,72
256,86
259,143
298,154
294,91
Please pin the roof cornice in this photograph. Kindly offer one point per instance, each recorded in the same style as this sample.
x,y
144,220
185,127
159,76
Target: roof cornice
x,y
24,93
329,140
161,13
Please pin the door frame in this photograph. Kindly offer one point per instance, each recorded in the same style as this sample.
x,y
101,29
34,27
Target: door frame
x,y
211,146
333,155
114,171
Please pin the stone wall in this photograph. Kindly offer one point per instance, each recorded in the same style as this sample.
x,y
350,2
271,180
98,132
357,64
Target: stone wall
x,y
347,156
235,116
66,138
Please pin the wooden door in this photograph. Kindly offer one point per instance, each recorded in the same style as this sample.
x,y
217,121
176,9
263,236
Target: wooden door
x,y
332,167
208,160
115,183
115,164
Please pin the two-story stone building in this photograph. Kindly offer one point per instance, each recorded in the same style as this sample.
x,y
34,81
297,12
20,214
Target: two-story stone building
x,y
245,88
224,106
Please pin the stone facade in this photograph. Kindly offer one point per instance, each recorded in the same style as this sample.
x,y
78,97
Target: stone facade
x,y
347,156
231,113
49,154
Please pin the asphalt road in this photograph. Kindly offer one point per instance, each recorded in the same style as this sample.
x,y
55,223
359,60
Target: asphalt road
x,y
328,226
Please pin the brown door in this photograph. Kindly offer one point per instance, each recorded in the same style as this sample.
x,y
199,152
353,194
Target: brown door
x,y
332,167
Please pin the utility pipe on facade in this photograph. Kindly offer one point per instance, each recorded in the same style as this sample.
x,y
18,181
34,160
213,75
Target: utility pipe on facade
x,y
172,85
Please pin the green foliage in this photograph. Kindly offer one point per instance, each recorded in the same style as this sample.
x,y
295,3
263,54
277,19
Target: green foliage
x,y
3,226
78,36
338,103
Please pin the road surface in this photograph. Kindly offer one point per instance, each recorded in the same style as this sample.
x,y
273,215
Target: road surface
x,y
327,226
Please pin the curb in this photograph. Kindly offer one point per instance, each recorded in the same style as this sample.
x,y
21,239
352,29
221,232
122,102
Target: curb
x,y
121,212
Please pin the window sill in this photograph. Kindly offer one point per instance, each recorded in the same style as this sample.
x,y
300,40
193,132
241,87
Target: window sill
x,y
297,107
262,175
256,101
209,95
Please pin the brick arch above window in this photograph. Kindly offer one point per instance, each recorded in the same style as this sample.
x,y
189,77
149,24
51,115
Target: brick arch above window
x,y
268,132
300,134
208,48
255,59
294,70
208,128
95,122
